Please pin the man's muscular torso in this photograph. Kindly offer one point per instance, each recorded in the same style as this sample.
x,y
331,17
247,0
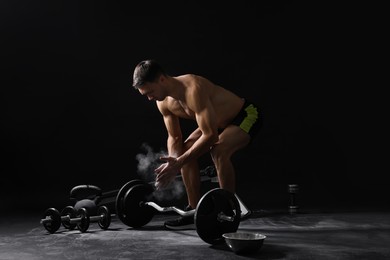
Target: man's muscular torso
x,y
226,104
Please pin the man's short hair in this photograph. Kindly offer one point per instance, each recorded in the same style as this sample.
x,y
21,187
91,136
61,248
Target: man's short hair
x,y
146,71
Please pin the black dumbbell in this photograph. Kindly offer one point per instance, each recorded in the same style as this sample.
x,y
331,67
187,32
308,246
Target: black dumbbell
x,y
293,190
83,219
69,218
103,217
52,219
68,213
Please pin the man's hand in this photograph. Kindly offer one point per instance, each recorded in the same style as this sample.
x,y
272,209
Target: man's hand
x,y
167,171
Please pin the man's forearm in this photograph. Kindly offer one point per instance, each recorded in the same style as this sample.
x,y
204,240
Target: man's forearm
x,y
175,146
201,146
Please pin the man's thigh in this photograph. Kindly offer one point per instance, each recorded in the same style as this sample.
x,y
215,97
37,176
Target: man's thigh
x,y
233,138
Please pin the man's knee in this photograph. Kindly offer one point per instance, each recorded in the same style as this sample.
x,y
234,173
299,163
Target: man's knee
x,y
190,164
188,144
219,153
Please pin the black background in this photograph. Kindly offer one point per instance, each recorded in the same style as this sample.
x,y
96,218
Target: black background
x,y
69,115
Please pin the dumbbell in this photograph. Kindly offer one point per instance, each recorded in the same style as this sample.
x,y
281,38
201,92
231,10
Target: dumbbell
x,y
70,219
52,219
293,190
217,212
103,218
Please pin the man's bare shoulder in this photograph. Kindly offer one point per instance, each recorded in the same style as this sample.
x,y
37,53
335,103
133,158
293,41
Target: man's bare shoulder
x,y
187,79
193,79
188,76
165,106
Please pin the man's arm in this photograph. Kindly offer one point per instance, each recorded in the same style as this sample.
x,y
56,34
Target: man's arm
x,y
207,122
172,124
174,144
174,141
205,116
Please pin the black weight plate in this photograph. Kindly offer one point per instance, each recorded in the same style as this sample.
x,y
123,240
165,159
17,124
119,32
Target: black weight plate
x,y
136,214
55,223
119,206
105,221
83,224
209,226
71,213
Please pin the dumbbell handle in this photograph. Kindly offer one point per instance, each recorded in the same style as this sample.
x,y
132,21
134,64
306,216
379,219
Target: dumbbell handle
x,y
75,220
48,219
98,218
292,199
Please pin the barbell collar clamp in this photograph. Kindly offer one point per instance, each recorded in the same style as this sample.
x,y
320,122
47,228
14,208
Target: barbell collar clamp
x,y
222,217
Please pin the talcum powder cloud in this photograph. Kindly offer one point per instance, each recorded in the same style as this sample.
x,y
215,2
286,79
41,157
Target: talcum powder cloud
x,y
148,161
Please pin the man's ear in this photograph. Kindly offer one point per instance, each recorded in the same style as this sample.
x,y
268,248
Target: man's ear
x,y
161,79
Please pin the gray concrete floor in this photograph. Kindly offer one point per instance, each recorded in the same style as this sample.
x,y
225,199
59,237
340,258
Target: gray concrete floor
x,y
309,235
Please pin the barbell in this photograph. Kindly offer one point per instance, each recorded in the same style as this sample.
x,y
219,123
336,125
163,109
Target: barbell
x,y
217,212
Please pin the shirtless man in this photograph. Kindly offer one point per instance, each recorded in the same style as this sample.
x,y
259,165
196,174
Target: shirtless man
x,y
226,123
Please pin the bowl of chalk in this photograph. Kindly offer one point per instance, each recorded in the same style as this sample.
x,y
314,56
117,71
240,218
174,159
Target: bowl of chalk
x,y
244,242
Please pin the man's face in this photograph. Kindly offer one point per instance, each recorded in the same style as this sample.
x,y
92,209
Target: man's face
x,y
152,90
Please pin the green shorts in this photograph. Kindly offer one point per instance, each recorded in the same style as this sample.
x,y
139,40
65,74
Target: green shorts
x,y
249,119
